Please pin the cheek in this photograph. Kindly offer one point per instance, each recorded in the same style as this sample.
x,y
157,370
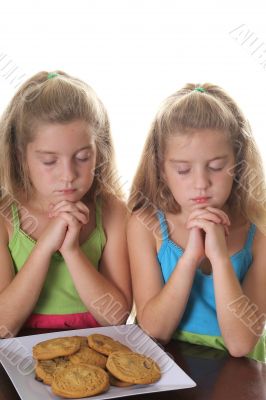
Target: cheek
x,y
224,184
47,175
179,187
175,182
226,179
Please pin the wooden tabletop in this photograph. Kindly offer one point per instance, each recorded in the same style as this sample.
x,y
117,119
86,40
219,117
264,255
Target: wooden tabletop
x,y
218,376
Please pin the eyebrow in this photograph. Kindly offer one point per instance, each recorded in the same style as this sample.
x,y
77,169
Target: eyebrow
x,y
186,161
89,147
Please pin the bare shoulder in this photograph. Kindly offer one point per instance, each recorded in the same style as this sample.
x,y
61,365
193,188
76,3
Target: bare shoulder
x,y
6,267
113,211
259,245
255,280
143,224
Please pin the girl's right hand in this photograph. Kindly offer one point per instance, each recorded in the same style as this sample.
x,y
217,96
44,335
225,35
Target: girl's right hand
x,y
211,214
76,215
214,225
194,250
53,235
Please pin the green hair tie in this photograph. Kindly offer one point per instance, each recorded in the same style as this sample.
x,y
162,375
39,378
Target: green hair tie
x,y
52,75
199,89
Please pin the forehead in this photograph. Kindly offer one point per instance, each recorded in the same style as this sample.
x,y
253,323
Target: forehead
x,y
198,144
60,136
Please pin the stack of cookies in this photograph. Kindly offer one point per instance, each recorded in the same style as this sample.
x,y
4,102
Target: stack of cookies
x,y
77,366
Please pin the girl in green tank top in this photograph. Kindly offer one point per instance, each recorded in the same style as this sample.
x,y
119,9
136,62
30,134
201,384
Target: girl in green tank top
x,y
62,224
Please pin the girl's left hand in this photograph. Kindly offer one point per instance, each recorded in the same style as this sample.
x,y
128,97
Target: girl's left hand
x,y
76,215
214,223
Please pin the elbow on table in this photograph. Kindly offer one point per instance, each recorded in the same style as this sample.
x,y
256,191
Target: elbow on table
x,y
162,338
239,350
6,333
155,334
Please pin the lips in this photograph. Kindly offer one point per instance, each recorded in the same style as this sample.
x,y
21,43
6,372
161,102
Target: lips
x,y
200,200
67,191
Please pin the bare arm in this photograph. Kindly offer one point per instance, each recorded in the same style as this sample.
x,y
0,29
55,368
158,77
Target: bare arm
x,y
107,292
159,306
19,293
242,310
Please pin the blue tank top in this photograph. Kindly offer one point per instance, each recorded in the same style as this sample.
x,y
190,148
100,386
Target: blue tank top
x,y
200,314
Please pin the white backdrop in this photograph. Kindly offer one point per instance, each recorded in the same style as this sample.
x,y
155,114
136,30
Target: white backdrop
x,y
135,53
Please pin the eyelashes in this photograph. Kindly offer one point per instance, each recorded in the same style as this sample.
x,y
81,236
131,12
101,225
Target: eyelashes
x,y
52,162
184,172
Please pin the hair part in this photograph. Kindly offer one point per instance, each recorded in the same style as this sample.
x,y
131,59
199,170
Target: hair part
x,y
187,110
59,99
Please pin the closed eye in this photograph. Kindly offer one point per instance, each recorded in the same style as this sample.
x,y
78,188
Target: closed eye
x,y
49,162
83,159
215,169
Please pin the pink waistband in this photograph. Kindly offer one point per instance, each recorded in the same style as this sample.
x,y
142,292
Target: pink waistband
x,y
65,321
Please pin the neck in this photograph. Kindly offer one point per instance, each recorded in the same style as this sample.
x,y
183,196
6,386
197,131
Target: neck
x,y
39,205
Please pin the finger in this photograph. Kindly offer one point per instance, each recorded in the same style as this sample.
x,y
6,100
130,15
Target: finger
x,y
226,230
197,212
67,206
72,208
200,223
53,206
70,219
223,215
64,205
209,217
196,223
81,217
223,218
205,225
83,208
204,213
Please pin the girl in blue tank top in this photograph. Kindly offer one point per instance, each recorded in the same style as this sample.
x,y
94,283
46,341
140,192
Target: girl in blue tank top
x,y
196,235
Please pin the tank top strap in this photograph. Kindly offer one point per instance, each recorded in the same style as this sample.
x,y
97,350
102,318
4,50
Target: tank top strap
x,y
98,212
15,217
163,225
250,237
98,217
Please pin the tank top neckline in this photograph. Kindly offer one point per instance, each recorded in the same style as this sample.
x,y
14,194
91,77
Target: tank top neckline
x,y
17,229
166,241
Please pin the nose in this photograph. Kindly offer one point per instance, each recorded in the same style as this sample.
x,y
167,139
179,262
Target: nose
x,y
201,179
68,171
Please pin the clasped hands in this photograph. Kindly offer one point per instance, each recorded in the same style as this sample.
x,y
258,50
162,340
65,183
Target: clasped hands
x,y
208,228
66,220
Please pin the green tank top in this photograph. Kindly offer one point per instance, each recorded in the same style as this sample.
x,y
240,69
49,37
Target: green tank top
x,y
59,295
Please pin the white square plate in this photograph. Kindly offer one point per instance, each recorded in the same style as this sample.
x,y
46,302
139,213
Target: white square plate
x,y
16,357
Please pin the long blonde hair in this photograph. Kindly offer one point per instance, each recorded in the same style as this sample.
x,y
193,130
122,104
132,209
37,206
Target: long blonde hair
x,y
204,106
53,98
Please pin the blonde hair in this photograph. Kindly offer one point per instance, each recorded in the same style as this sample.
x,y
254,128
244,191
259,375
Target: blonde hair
x,y
53,98
207,108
